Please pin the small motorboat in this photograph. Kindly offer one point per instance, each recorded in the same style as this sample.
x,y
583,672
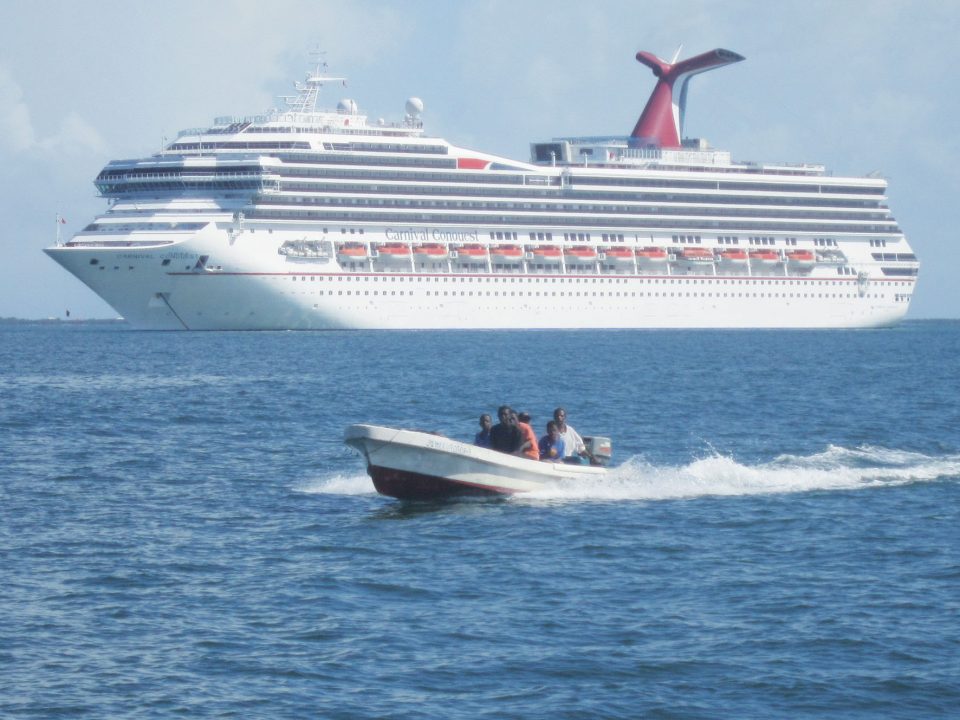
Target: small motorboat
x,y
414,465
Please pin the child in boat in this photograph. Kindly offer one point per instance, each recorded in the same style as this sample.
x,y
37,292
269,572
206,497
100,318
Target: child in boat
x,y
551,445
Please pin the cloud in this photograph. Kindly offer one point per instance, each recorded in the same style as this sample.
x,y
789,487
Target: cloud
x,y
16,129
18,135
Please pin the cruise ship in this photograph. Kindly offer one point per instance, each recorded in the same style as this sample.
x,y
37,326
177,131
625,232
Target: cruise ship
x,y
319,219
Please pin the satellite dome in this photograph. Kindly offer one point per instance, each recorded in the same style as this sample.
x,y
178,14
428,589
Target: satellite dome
x,y
348,106
414,106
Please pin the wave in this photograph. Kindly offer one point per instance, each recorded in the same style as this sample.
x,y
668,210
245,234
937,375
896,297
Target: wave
x,y
836,468
339,484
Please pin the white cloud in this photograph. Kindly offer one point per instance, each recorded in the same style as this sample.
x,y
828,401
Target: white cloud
x,y
16,129
17,132
75,135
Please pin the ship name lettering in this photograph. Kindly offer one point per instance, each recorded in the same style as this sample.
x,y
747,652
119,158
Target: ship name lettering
x,y
406,235
455,235
421,235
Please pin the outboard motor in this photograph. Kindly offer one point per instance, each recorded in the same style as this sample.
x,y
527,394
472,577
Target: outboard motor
x,y
599,448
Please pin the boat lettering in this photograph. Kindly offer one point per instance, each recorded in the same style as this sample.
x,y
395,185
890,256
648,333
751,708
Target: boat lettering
x,y
133,256
180,255
447,446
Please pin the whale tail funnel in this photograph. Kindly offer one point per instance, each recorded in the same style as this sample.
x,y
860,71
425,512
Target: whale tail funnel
x,y
661,121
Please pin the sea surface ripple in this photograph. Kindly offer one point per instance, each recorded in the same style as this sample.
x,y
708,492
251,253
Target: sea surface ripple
x,y
184,533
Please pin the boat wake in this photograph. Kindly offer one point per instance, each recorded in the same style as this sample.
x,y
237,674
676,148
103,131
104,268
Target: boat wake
x,y
836,468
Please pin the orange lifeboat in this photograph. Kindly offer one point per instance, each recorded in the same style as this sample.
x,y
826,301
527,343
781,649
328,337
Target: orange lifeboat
x,y
697,255
352,251
506,253
765,257
804,258
547,253
393,252
393,249
430,251
472,251
580,253
619,254
651,254
733,256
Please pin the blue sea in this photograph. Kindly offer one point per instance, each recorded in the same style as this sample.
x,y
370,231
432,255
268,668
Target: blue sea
x,y
183,532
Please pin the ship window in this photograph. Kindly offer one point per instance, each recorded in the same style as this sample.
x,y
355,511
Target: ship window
x,y
94,261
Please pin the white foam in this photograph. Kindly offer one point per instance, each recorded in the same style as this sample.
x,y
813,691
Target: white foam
x,y
338,485
836,468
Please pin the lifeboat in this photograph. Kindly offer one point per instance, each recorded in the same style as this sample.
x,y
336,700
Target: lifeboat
x,y
506,253
580,253
394,250
619,254
733,256
547,253
430,251
472,251
765,257
700,256
801,258
651,255
352,251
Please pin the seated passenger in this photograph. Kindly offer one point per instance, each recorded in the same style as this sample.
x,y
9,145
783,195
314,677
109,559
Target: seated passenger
x,y
551,444
482,438
529,448
573,443
505,436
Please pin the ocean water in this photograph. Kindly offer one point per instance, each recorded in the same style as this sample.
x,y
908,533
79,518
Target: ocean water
x,y
183,532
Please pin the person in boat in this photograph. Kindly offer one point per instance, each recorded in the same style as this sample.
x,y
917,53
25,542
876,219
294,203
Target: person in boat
x,y
551,444
529,448
573,447
482,438
505,436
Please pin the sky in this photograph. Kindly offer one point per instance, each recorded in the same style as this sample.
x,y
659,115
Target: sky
x,y
861,87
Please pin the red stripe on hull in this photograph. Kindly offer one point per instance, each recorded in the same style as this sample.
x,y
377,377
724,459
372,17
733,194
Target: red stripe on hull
x,y
405,485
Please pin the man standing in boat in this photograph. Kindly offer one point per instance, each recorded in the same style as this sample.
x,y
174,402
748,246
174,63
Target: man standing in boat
x,y
572,442
505,436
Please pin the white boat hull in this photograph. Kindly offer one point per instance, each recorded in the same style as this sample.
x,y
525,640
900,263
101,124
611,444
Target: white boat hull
x,y
412,465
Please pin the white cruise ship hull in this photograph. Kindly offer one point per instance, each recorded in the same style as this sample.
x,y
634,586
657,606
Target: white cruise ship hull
x,y
252,287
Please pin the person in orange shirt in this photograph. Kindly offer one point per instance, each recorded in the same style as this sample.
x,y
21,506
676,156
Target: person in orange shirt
x,y
530,448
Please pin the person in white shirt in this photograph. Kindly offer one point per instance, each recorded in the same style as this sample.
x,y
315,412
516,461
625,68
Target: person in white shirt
x,y
572,442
